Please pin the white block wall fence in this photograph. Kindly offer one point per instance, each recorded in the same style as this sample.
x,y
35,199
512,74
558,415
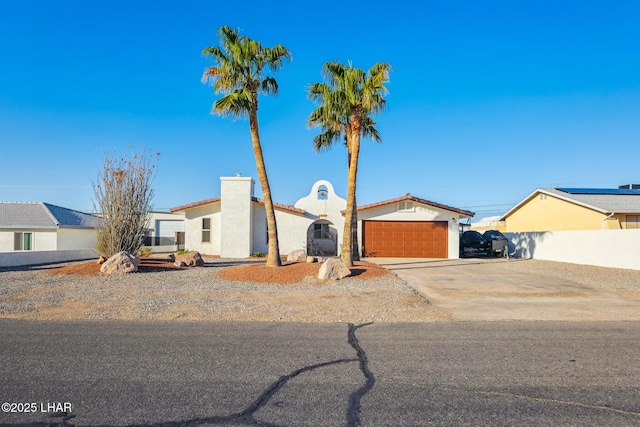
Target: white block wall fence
x,y
21,258
604,248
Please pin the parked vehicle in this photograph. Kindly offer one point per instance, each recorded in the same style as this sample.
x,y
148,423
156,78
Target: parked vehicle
x,y
497,244
492,242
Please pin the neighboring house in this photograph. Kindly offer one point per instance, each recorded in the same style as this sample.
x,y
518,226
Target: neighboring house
x,y
165,232
489,223
32,233
234,224
565,209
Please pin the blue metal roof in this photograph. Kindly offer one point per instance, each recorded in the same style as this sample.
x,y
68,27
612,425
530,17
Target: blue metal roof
x,y
43,215
608,191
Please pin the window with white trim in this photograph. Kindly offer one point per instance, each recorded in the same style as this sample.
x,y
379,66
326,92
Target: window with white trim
x,y
206,230
23,241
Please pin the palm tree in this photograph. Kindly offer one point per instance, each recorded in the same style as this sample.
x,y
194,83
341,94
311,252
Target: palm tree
x,y
348,98
240,73
334,129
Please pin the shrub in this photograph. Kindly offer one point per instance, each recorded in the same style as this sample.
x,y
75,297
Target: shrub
x,y
145,251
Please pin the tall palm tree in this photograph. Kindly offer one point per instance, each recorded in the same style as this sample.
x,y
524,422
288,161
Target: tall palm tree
x,y
348,98
334,130
240,73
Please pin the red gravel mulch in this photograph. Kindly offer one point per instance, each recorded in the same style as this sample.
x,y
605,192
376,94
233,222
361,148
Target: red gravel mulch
x,y
287,274
294,272
92,267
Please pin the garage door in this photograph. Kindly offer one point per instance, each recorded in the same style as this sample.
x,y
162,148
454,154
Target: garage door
x,y
410,239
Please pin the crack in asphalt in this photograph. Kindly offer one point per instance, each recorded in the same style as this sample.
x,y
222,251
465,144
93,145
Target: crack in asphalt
x,y
247,416
355,398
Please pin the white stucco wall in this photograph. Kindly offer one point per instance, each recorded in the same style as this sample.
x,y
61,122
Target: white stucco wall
x,y
294,234
20,258
43,240
322,210
49,246
77,238
193,229
237,213
420,212
604,248
292,230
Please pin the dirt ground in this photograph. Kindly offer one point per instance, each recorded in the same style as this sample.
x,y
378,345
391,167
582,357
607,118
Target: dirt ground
x,y
220,291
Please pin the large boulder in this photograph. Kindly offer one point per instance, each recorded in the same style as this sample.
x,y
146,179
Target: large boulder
x,y
191,259
120,263
299,255
333,269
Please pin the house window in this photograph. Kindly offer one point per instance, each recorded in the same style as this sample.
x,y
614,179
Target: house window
x,y
321,231
405,206
206,230
632,221
23,241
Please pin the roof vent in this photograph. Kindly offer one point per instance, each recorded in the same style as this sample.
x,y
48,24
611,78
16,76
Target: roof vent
x,y
238,173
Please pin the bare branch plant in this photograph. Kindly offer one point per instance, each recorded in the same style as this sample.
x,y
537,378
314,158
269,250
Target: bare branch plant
x,y
123,196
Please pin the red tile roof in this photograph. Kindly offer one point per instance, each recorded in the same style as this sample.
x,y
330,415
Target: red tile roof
x,y
278,206
282,207
409,197
194,204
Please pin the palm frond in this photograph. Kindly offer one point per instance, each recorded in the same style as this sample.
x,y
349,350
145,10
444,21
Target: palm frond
x,y
239,65
236,104
347,99
269,86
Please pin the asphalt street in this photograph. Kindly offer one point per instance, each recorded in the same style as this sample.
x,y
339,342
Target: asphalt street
x,y
286,374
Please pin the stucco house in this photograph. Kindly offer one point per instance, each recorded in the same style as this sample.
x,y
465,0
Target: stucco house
x,y
32,233
566,209
234,224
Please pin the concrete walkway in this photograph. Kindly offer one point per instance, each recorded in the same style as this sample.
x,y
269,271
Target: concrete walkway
x,y
478,289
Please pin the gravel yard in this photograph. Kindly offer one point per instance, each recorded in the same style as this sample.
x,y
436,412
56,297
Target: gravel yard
x,y
231,290
202,294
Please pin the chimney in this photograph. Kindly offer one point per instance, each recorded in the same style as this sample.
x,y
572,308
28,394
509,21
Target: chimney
x,y
236,216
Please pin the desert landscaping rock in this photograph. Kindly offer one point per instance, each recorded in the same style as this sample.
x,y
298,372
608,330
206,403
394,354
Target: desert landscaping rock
x,y
311,259
179,264
299,255
333,269
202,294
120,263
191,259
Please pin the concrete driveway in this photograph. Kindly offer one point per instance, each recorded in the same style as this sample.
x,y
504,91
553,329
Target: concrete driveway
x,y
480,289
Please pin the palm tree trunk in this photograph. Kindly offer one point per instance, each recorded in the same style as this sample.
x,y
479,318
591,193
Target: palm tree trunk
x,y
273,256
355,250
355,247
347,236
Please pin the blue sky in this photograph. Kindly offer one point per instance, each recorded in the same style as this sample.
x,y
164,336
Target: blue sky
x,y
487,100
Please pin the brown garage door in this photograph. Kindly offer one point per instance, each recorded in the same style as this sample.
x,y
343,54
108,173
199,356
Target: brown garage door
x,y
410,239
